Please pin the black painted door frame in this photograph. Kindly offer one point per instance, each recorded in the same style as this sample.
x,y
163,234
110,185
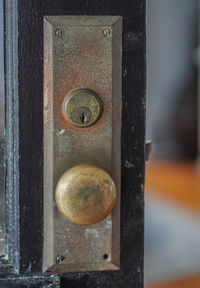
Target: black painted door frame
x,y
24,140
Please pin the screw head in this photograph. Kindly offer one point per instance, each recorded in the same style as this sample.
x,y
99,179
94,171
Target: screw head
x,y
106,32
58,32
59,259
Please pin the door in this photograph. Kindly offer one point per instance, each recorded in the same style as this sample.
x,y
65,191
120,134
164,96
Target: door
x,y
27,217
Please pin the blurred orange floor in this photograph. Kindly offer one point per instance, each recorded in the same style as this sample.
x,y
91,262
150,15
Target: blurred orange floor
x,y
180,182
190,282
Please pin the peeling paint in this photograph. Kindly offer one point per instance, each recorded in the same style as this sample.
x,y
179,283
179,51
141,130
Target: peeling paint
x,y
128,164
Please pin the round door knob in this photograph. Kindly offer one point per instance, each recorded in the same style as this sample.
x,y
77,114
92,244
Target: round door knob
x,y
85,194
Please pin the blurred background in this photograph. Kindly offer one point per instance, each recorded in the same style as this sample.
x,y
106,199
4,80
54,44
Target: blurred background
x,y
172,194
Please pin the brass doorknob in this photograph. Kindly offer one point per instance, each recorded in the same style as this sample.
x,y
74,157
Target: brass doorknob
x,y
85,194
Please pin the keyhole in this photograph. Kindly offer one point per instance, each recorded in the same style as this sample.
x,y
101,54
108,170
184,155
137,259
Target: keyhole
x,y
83,118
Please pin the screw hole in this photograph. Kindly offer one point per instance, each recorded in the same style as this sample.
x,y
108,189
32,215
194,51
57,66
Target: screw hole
x,y
105,256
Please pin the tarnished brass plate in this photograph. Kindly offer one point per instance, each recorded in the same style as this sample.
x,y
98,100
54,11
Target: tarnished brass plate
x,y
81,52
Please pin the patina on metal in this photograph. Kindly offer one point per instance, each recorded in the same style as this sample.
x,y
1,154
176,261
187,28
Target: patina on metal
x,y
82,107
85,194
82,56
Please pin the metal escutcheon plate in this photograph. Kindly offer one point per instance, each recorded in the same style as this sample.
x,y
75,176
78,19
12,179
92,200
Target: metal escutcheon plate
x,y
82,125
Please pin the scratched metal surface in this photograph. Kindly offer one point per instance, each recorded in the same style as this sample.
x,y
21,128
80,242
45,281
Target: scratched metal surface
x,y
80,55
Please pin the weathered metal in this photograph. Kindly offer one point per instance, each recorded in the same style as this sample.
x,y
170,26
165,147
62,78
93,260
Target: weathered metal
x,y
81,57
85,194
148,150
82,107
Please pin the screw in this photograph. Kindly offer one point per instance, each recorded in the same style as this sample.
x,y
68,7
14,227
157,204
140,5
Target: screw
x,y
58,32
60,259
106,32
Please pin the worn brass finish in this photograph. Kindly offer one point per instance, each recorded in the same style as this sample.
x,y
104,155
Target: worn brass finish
x,y
85,194
82,107
81,52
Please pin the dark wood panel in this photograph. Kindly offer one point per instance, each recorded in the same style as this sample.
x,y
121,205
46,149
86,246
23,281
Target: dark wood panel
x,y
30,282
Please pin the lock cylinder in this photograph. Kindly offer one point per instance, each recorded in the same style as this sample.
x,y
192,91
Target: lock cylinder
x,y
82,107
